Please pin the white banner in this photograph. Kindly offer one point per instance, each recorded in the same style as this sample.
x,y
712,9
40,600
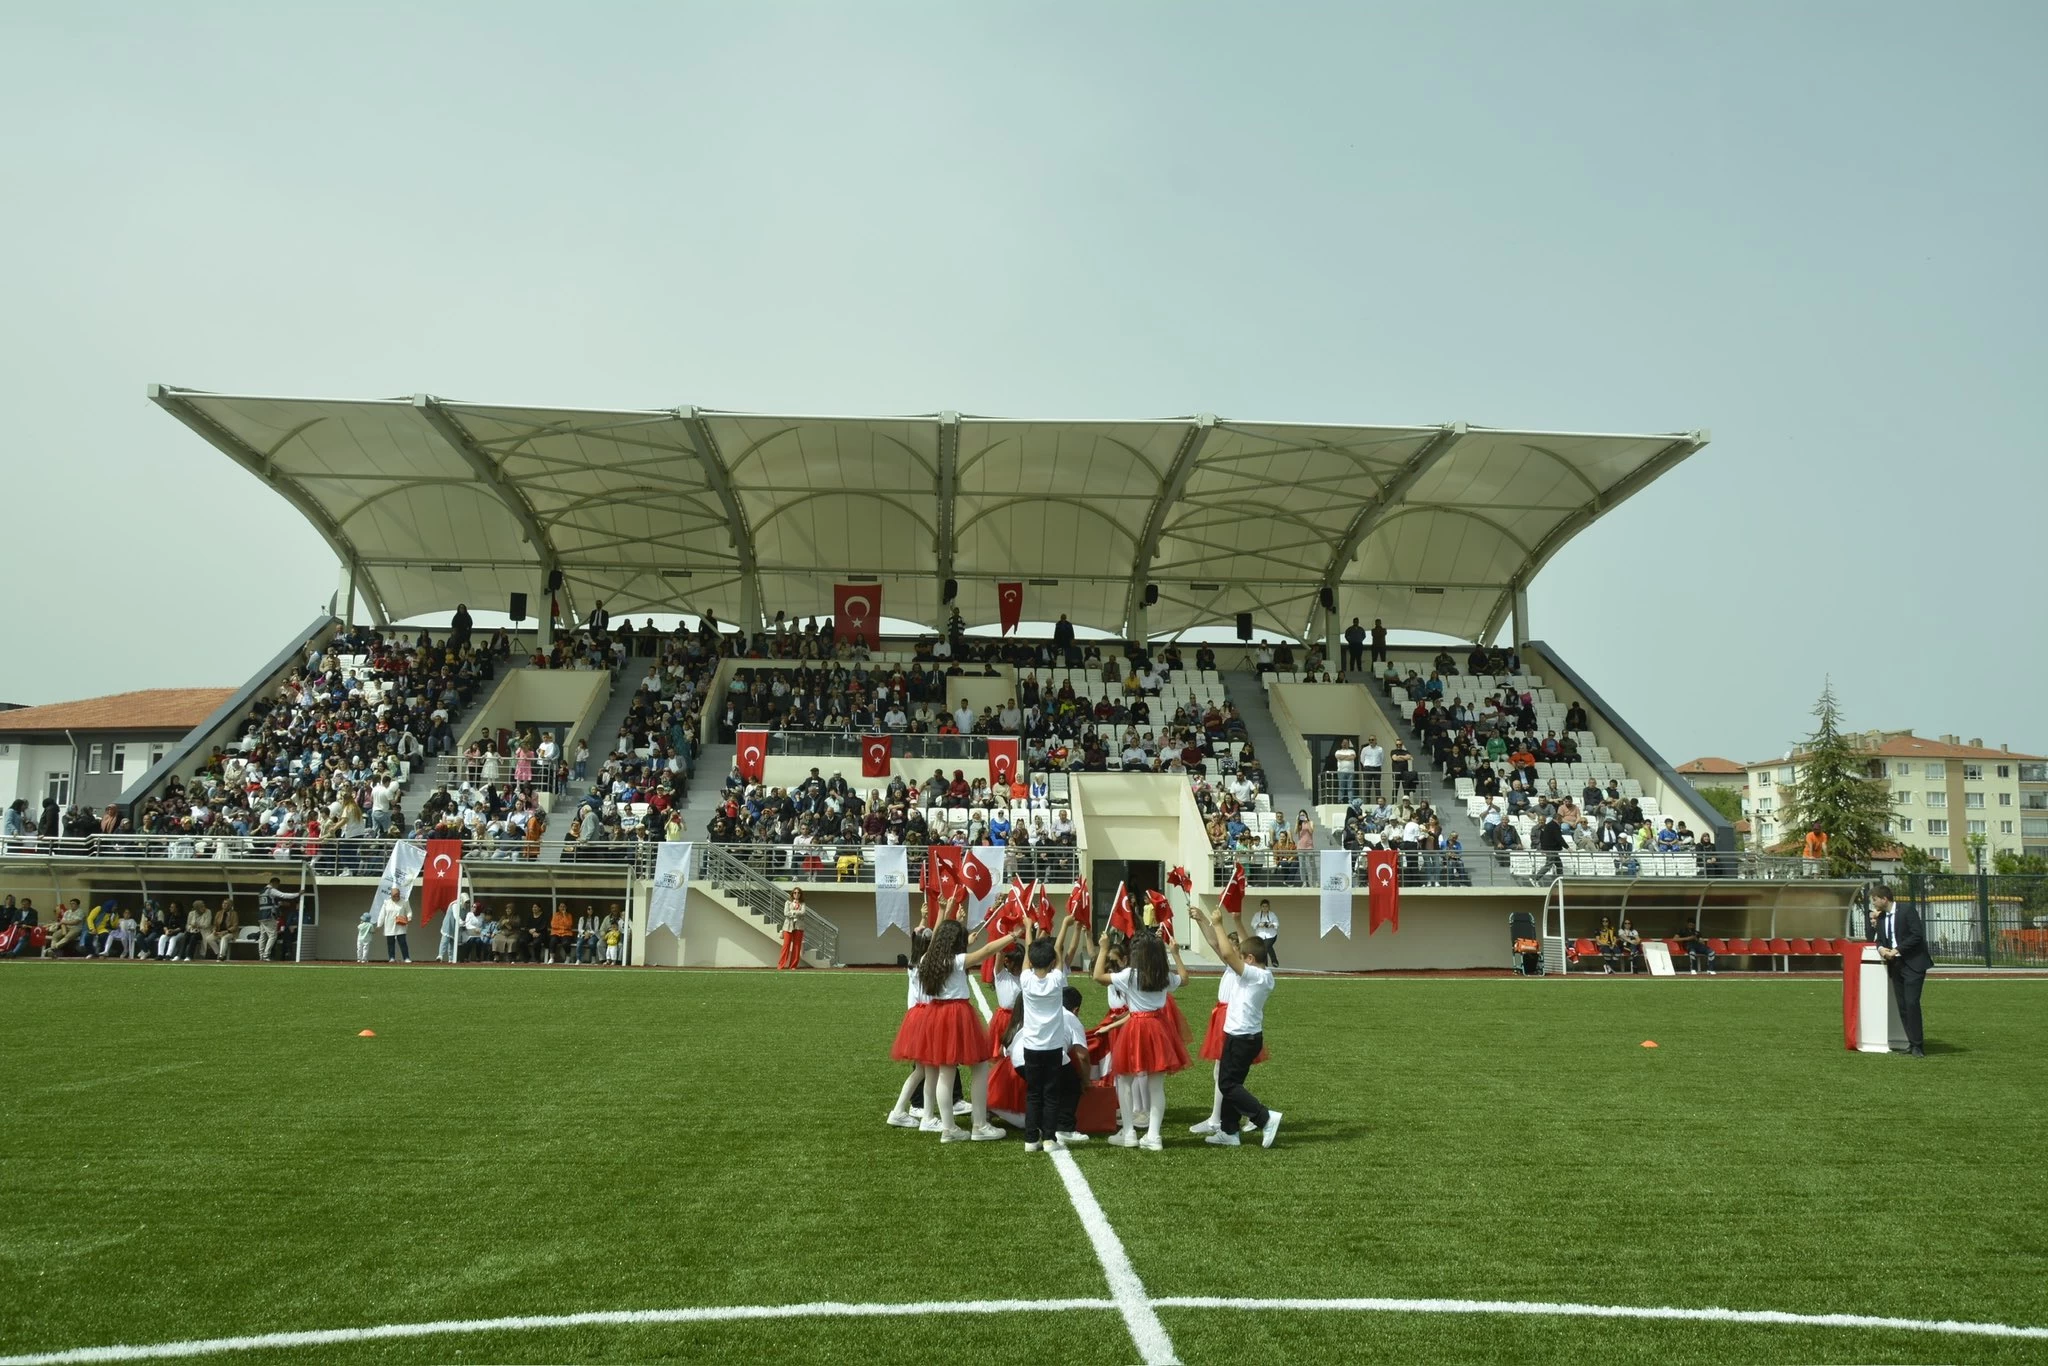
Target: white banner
x,y
1336,891
671,886
891,863
401,872
993,857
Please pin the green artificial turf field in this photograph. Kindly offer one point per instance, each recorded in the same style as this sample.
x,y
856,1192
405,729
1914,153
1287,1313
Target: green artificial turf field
x,y
197,1151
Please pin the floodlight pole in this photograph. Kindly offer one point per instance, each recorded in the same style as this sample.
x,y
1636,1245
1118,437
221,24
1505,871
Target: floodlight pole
x,y
1521,615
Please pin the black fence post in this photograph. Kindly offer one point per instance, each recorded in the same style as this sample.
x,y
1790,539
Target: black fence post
x,y
1984,913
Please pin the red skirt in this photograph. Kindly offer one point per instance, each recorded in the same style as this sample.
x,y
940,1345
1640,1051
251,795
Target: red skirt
x,y
1098,1042
997,1023
1178,1023
942,1034
1147,1044
1005,1087
1212,1042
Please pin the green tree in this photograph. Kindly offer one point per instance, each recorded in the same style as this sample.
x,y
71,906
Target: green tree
x,y
1836,791
1725,800
1913,859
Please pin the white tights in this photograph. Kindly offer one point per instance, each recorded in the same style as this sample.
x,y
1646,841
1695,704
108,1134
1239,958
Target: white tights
x,y
910,1085
1146,1089
1216,1093
938,1090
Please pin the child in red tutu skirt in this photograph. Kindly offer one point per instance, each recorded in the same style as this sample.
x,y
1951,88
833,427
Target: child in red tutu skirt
x,y
944,1032
1005,1086
1147,1047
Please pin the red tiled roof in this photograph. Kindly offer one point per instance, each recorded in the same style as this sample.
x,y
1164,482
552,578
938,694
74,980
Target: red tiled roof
x,y
1916,747
1715,766
178,709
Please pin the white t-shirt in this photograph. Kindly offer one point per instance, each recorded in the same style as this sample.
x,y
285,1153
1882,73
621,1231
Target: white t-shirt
x,y
916,997
956,981
1247,1013
1372,756
1226,987
1347,758
1040,1000
1072,1034
1006,990
1140,999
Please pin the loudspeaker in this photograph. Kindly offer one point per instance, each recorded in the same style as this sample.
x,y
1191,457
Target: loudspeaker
x,y
1151,595
1328,597
517,611
554,581
1244,625
952,589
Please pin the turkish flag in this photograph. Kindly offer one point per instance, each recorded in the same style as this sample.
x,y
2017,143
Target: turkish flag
x,y
1077,903
874,756
1120,918
941,876
1159,912
753,754
1010,605
1041,909
1383,879
443,880
1233,892
1002,762
974,876
857,613
1179,878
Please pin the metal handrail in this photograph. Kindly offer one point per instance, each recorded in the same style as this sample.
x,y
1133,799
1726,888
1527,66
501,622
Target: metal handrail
x,y
842,863
457,771
1489,867
761,898
329,856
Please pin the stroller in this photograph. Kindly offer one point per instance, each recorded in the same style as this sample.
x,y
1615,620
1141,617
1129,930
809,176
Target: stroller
x,y
1525,951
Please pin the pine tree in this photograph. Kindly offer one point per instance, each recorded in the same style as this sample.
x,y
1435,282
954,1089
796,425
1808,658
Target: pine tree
x,y
1834,789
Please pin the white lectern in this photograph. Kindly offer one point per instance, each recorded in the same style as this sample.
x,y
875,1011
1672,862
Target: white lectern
x,y
1878,1028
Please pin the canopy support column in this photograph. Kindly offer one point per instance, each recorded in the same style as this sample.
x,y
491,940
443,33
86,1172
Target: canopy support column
x,y
1521,614
1170,487
948,490
742,532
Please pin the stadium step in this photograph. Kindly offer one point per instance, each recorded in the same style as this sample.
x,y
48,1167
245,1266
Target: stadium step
x,y
1283,784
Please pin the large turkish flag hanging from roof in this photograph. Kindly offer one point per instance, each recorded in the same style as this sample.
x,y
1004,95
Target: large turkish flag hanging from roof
x,y
874,756
1010,605
857,613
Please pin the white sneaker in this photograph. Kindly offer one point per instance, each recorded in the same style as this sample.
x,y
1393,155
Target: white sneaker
x,y
1207,1126
987,1133
1070,1138
900,1121
962,1107
1712,973
917,1111
1123,1138
1224,1140
928,1125
1150,1143
1272,1130
1245,1125
1030,1147
953,1133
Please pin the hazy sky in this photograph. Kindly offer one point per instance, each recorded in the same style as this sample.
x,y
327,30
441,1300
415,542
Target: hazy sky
x,y
1814,228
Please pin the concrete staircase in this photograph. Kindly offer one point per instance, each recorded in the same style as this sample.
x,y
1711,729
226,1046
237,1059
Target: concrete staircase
x,y
1430,784
601,737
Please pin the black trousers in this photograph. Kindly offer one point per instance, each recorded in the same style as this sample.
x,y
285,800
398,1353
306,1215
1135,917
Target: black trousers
x,y
1907,981
1239,1051
1066,1099
1372,781
1379,654
1042,1068
1354,657
1272,953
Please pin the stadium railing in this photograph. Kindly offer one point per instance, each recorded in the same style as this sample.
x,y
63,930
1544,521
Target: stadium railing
x,y
1488,867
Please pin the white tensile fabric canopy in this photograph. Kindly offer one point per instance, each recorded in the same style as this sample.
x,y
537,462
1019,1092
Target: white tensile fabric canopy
x,y
431,502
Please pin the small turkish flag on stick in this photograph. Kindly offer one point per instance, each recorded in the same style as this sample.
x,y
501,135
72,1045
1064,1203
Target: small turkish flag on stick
x,y
1233,893
1121,918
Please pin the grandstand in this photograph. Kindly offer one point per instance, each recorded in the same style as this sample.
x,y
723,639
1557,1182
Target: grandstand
x,y
1139,752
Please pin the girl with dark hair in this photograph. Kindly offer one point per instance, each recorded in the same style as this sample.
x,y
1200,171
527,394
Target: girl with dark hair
x,y
946,1033
1147,1048
909,1107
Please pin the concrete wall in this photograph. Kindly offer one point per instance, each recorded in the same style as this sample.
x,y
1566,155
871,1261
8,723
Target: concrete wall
x,y
1320,709
978,691
1134,816
573,696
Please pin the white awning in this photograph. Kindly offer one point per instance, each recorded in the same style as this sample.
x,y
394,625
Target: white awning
x,y
436,502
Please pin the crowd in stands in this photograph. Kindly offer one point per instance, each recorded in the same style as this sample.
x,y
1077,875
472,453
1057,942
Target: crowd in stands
x,y
477,934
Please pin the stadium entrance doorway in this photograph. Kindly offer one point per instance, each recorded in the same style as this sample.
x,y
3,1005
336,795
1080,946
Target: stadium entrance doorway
x,y
1138,875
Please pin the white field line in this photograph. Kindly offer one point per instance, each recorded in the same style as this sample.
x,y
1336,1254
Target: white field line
x,y
1154,1346
1538,1308
1147,1332
328,1337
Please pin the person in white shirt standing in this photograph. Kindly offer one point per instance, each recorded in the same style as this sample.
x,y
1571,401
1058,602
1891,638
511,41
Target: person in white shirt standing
x,y
1266,929
1372,762
1244,1033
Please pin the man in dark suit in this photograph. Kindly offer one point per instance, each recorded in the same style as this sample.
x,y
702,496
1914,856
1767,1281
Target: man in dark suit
x,y
1902,941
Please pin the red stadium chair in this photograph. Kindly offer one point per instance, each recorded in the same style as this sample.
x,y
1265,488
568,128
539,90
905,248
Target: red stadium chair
x,y
1802,948
1719,946
1780,949
1585,951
